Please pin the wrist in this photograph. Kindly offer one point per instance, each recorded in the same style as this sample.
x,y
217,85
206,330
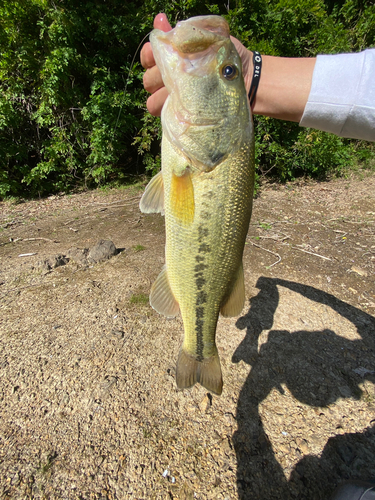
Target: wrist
x,y
284,87
257,71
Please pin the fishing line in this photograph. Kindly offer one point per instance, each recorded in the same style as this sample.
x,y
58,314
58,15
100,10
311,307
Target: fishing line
x,y
127,80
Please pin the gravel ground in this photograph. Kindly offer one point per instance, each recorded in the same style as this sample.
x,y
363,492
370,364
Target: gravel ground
x,y
89,407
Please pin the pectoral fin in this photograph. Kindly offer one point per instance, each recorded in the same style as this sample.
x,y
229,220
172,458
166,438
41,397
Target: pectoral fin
x,y
152,200
161,296
182,197
235,302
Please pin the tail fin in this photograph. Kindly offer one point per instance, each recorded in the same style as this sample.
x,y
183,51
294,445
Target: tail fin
x,y
189,371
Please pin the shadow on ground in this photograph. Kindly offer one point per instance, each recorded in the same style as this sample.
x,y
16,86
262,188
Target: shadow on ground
x,y
317,368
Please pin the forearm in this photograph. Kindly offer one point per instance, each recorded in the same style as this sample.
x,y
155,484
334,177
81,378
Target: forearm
x,y
284,87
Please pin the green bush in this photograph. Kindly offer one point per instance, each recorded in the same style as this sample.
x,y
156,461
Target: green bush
x,y
65,76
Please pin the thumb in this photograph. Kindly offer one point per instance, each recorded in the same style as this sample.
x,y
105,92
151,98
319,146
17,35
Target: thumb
x,y
161,22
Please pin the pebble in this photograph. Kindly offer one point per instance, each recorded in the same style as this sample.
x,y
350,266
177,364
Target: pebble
x,y
345,391
284,449
302,445
359,271
206,403
118,333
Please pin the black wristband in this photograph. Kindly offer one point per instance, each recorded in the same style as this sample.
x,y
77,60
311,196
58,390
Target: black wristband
x,y
257,64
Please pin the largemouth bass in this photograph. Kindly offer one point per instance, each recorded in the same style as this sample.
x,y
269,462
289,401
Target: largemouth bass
x,y
205,188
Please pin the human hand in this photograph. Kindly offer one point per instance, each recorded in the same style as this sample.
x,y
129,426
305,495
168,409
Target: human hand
x,y
153,82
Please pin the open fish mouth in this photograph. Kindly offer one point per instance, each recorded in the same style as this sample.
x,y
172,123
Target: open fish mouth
x,y
197,35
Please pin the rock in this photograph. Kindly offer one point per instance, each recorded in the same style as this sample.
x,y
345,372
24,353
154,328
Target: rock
x,y
111,311
78,255
345,391
103,250
53,262
225,446
206,403
302,445
44,265
117,332
284,449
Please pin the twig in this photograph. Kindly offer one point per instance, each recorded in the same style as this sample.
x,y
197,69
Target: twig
x,y
342,219
369,252
312,253
124,205
359,221
341,235
34,239
269,251
274,238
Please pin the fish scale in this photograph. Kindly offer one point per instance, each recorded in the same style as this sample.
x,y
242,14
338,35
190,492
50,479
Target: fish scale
x,y
205,190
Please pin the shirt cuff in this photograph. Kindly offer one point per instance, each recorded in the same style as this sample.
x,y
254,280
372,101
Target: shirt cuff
x,y
342,95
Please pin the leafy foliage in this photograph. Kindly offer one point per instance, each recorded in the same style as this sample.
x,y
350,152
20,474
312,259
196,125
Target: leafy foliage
x,y
65,76
72,110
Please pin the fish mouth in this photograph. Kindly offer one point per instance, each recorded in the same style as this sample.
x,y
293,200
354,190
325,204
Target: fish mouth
x,y
195,35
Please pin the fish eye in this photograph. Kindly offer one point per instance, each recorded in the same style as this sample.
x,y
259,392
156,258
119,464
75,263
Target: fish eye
x,y
229,71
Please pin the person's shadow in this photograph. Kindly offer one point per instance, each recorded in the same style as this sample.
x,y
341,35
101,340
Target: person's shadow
x,y
317,368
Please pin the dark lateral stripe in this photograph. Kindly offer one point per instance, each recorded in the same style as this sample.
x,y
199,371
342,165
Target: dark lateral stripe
x,y
201,298
200,267
200,281
199,332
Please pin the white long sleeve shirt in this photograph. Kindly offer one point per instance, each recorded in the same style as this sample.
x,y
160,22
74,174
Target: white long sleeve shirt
x,y
342,95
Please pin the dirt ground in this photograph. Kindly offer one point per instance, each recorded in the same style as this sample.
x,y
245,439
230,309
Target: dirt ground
x,y
89,407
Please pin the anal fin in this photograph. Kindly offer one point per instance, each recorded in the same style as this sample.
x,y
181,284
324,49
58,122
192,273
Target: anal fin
x,y
236,300
207,372
161,296
152,200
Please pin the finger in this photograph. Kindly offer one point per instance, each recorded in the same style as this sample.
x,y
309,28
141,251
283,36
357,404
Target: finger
x,y
147,56
152,80
161,22
156,101
247,64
